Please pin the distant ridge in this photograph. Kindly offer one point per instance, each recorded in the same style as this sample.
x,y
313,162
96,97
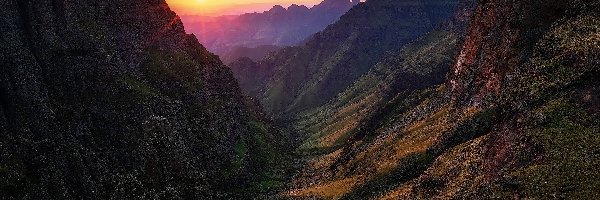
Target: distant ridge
x,y
277,26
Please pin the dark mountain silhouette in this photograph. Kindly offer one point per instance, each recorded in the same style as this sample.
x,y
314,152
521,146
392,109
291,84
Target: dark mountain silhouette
x,y
278,26
111,99
255,53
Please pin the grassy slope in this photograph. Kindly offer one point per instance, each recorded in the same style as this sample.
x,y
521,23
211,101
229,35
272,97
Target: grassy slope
x,y
539,139
379,94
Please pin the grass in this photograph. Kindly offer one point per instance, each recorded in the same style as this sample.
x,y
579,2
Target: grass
x,y
569,170
328,190
412,166
240,153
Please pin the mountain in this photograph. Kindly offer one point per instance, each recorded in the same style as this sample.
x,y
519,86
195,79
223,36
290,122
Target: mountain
x,y
516,116
250,73
432,99
278,26
308,76
255,54
113,100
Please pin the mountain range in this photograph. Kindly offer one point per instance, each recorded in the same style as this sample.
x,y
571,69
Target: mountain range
x,y
311,74
398,99
495,100
278,26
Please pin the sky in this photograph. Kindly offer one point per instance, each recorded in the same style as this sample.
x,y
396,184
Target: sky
x,y
229,7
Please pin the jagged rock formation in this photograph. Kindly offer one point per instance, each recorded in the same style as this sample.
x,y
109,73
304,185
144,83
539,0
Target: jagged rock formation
x,y
278,26
111,99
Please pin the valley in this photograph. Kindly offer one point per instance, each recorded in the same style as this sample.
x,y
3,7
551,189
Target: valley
x,y
383,99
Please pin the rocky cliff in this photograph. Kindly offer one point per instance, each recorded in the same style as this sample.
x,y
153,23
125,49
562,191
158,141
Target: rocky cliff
x,y
112,99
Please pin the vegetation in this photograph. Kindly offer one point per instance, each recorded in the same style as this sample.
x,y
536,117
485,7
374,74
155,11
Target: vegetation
x,y
387,103
569,138
533,138
310,75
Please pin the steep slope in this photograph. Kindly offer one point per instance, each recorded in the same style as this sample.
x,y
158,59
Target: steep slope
x,y
255,54
542,142
419,65
365,106
111,99
516,118
278,26
308,76
250,73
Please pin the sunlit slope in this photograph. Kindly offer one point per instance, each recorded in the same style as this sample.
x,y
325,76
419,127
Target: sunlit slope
x,y
535,135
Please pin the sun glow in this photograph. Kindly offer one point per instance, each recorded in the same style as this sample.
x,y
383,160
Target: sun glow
x,y
223,7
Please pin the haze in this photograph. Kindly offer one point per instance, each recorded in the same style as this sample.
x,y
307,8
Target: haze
x,y
230,7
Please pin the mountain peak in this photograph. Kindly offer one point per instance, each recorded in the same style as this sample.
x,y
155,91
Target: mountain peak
x,y
296,7
328,4
277,9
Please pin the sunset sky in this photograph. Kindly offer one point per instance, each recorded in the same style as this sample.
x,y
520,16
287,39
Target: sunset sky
x,y
225,7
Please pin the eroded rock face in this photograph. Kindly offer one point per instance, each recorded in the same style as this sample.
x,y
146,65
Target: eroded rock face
x,y
499,39
112,99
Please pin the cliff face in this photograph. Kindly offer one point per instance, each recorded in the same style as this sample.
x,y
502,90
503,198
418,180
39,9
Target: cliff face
x,y
111,99
510,31
528,65
523,74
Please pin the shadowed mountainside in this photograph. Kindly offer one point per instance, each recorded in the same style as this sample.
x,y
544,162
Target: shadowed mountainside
x,y
254,54
308,76
111,99
278,26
